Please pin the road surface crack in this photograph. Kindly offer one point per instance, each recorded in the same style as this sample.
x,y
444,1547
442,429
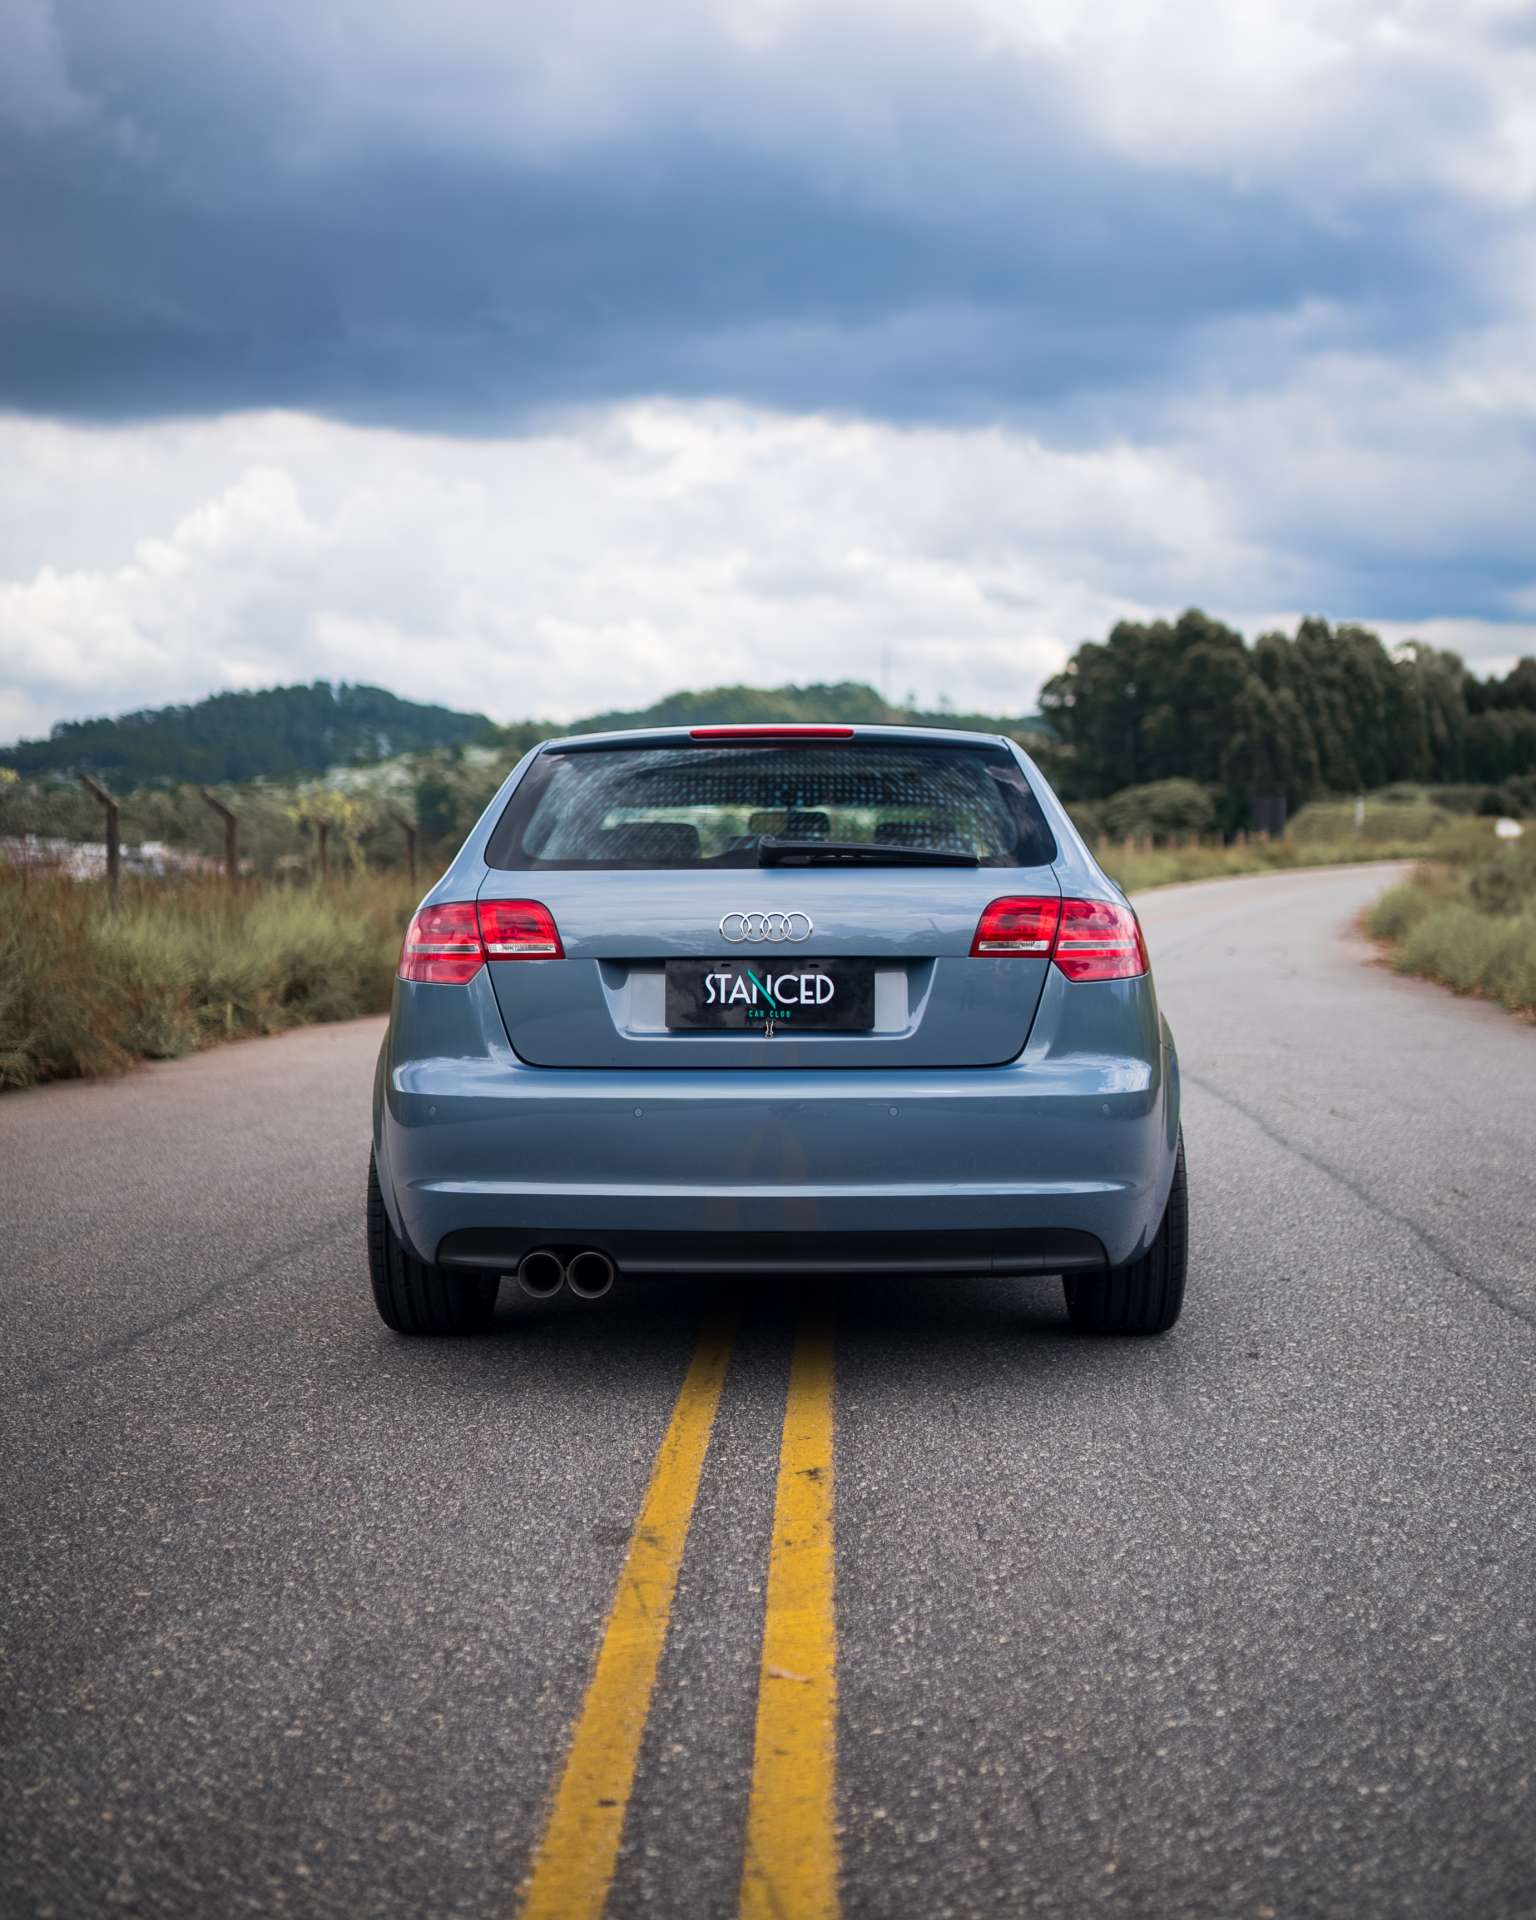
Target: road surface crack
x,y
1380,1208
124,1343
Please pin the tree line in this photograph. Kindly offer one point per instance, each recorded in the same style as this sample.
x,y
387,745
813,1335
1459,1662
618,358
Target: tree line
x,y
276,733
1185,708
1326,710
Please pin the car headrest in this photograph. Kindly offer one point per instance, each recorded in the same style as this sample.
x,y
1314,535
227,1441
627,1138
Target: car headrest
x,y
937,834
652,840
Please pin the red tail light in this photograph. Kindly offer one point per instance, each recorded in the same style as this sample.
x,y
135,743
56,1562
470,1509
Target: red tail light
x,y
449,944
1087,939
743,732
1099,941
442,944
1018,926
519,930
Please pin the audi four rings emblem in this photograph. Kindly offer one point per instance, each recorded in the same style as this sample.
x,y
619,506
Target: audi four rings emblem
x,y
774,927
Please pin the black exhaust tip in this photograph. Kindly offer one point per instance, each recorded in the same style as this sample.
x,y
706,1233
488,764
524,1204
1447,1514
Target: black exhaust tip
x,y
541,1274
590,1274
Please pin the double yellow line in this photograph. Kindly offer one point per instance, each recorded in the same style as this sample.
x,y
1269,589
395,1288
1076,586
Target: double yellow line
x,y
790,1866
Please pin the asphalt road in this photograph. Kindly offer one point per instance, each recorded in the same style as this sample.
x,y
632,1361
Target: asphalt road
x,y
297,1616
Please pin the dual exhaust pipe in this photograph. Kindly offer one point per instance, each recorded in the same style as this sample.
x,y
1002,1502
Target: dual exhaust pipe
x,y
589,1274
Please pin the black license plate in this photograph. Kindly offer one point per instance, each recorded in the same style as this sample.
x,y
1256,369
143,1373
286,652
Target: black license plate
x,y
790,996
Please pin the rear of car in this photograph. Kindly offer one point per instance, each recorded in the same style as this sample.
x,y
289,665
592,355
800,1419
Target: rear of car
x,y
842,999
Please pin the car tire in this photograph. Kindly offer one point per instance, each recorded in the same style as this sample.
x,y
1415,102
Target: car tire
x,y
1144,1296
412,1297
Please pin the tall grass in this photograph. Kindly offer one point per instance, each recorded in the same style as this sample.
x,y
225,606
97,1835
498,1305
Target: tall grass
x,y
1468,919
1137,868
85,990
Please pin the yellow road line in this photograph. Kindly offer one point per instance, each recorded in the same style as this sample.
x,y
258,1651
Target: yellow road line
x,y
574,1863
790,1871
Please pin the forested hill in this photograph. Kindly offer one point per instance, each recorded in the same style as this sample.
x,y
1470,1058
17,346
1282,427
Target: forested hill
x,y
842,700
1290,718
286,733
279,733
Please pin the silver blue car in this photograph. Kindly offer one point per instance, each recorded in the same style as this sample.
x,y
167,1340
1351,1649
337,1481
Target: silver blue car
x,y
775,1000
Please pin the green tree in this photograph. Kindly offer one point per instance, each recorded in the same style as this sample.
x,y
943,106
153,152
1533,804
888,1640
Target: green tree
x,y
1156,701
1326,710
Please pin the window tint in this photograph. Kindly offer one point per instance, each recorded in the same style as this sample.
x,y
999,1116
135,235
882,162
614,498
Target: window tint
x,y
707,806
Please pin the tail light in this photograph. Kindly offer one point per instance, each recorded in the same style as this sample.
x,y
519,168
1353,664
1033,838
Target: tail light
x,y
449,944
1099,941
1019,926
442,944
519,930
1087,939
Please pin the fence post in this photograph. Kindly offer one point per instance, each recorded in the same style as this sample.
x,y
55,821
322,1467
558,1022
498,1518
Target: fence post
x,y
323,835
114,843
408,827
231,835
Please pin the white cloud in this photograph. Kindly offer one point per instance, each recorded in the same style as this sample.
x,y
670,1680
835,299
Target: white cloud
x,y
634,551
1356,463
1408,90
1323,96
1494,646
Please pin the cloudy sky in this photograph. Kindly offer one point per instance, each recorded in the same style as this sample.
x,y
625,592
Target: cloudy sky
x,y
540,359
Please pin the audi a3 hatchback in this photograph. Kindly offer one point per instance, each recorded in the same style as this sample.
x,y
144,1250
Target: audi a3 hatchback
x,y
775,1000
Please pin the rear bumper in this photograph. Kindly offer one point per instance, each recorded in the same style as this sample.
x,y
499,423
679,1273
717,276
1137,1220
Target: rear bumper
x,y
1016,1250
1060,1159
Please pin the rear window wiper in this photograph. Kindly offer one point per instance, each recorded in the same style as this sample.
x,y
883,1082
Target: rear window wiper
x,y
773,851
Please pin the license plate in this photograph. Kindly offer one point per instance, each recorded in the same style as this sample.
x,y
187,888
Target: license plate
x,y
821,996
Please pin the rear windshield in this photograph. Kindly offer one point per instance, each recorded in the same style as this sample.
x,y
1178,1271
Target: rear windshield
x,y
709,806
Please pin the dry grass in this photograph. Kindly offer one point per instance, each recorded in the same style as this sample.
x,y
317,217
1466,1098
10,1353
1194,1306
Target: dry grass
x,y
86,991
1137,869
1468,919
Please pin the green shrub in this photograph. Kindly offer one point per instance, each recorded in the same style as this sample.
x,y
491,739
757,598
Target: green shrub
x,y
1518,797
1161,810
1504,880
1402,820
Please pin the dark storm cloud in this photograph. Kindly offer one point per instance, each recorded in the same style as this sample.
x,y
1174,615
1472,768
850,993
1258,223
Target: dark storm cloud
x,y
195,226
